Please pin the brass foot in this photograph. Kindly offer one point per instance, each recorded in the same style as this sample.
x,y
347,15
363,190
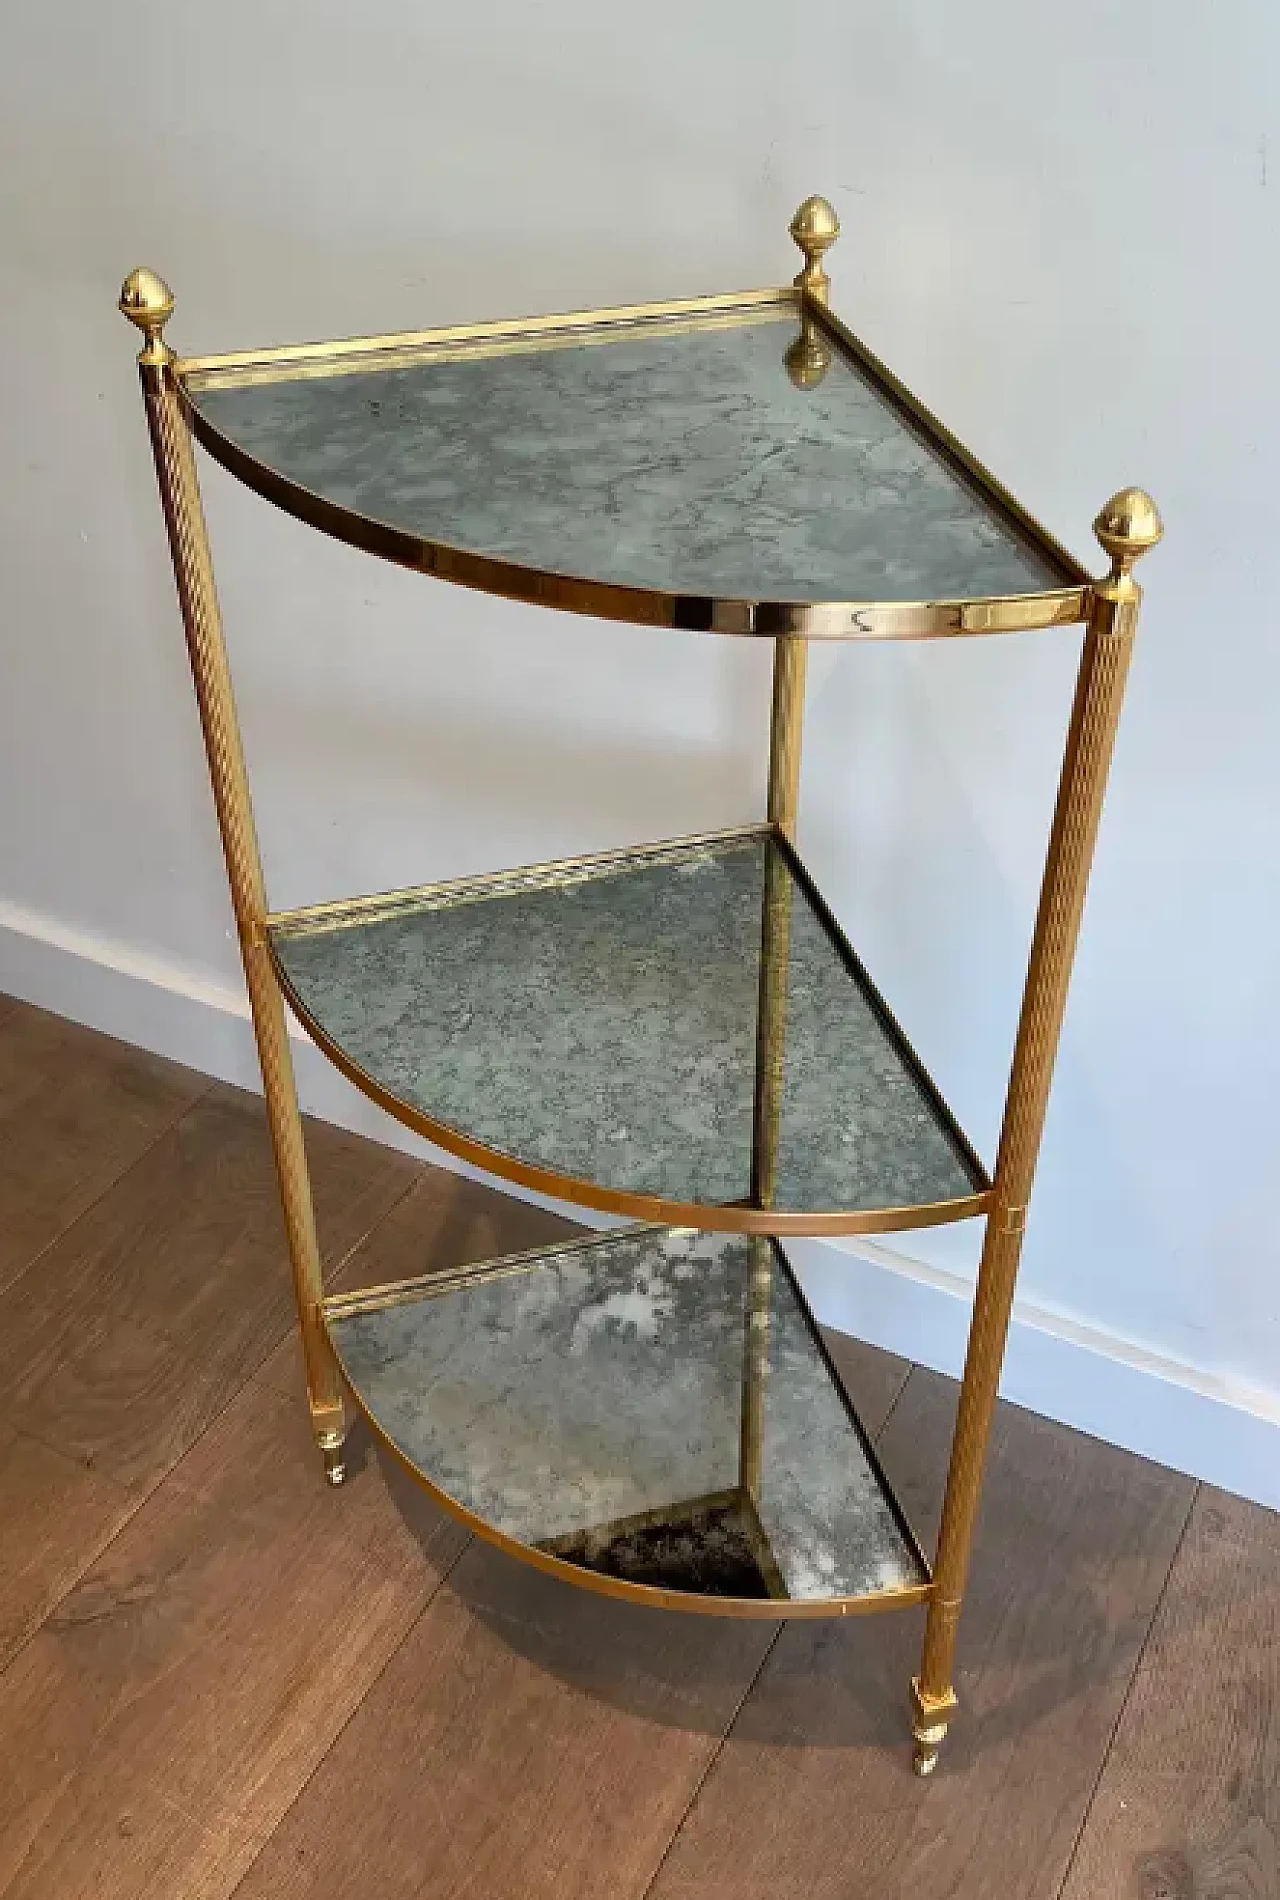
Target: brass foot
x,y
330,1444
931,1717
928,1741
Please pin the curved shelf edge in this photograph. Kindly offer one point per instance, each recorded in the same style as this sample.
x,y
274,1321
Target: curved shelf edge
x,y
815,620
733,1218
762,1609
341,1309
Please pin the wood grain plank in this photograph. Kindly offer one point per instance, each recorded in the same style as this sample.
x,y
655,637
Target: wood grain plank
x,y
158,1726
56,1517
76,1110
813,1795
1188,1807
528,1738
133,1331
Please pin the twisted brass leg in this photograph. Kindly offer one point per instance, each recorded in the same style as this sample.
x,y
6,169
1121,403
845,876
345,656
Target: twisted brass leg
x,y
147,302
1127,527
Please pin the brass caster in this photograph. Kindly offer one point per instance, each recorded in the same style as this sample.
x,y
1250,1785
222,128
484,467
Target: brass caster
x,y
925,1758
331,1451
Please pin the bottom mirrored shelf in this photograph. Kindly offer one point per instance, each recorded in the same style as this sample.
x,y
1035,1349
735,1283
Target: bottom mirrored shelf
x,y
650,1412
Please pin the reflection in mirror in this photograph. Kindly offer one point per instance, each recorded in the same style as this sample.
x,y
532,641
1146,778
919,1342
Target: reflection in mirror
x,y
808,357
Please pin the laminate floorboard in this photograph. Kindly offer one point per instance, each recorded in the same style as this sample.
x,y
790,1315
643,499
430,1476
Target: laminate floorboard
x,y
1188,1807
54,1519
76,1111
813,1795
172,1706
129,1335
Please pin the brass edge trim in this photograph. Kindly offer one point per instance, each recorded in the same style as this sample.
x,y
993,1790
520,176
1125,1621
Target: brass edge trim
x,y
370,1299
524,875
496,331
765,1609
961,461
636,606
874,998
730,1218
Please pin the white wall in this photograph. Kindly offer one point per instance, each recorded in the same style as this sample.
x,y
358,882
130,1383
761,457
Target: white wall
x,y
1060,226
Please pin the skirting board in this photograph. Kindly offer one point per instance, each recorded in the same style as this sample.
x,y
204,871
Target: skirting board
x,y
1215,1429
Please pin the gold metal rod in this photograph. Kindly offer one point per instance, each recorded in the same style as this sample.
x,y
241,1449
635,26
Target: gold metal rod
x,y
147,302
1127,527
757,1315
785,736
426,1286
786,732
462,890
501,330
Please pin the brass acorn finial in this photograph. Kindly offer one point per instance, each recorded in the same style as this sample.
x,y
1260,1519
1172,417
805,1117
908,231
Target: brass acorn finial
x,y
815,229
147,301
1128,526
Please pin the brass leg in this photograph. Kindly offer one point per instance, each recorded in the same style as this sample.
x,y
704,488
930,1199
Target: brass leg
x,y
1127,527
148,303
790,663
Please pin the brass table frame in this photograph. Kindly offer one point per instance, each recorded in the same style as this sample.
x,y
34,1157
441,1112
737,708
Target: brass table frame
x,y
1127,527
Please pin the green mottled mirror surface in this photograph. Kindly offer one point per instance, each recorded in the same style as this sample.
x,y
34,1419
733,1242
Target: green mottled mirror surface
x,y
680,457
605,1021
603,1403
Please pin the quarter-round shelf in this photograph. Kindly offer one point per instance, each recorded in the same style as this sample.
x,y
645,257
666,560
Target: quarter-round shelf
x,y
734,465
676,1032
649,1413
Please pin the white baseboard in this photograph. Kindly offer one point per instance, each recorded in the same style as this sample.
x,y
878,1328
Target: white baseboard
x,y
1214,1428
1198,1422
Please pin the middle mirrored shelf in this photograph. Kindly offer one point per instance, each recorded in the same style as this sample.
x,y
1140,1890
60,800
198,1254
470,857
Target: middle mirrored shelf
x,y
676,1031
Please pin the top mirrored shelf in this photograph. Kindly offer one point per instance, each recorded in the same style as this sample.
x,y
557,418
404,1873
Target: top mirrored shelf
x,y
738,465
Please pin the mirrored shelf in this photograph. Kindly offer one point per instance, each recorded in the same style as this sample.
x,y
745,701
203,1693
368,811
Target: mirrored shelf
x,y
676,1032
740,465
649,1411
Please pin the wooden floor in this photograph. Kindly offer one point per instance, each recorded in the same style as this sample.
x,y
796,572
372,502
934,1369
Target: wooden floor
x,y
220,1677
